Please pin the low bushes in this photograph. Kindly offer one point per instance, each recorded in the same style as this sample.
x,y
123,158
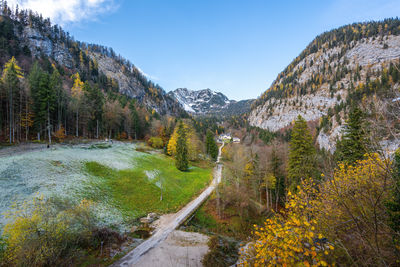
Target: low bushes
x,y
51,232
222,252
155,142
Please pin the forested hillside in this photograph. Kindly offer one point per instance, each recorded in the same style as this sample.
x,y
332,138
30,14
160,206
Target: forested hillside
x,y
354,65
52,84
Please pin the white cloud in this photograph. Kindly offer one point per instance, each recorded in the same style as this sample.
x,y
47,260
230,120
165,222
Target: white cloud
x,y
67,11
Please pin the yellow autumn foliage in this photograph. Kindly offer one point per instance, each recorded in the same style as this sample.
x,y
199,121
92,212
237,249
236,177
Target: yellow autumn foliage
x,y
352,208
291,238
40,234
77,87
193,142
344,217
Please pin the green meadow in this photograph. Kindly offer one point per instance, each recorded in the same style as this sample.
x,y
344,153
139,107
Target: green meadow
x,y
137,191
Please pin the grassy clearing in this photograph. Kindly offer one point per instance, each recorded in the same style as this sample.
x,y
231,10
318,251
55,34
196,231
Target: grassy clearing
x,y
136,192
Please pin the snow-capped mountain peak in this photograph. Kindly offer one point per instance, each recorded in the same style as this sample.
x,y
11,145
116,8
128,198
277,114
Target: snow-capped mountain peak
x,y
201,101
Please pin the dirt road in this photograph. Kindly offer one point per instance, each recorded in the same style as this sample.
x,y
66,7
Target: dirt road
x,y
162,233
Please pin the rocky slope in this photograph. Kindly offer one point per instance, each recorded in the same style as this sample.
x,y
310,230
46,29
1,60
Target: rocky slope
x,y
206,101
31,37
332,73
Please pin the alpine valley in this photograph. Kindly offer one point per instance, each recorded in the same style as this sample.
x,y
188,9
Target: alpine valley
x,y
100,166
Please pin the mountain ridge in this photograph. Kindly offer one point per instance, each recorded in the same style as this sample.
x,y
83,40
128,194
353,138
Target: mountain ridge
x,y
30,37
339,69
207,101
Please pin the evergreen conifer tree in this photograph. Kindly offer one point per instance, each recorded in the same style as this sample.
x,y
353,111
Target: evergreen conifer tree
x,y
56,85
211,146
354,143
301,155
274,167
10,78
181,157
34,80
394,203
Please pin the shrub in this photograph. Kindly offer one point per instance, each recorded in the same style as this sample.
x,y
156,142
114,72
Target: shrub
x,y
222,252
60,134
49,232
155,142
290,238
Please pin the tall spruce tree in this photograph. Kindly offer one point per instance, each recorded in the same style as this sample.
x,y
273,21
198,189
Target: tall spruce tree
x,y
95,101
135,120
211,146
393,204
301,154
10,78
181,157
56,85
46,102
275,169
354,143
34,80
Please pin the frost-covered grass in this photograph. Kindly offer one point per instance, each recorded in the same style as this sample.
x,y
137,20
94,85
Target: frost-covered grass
x,y
70,172
137,191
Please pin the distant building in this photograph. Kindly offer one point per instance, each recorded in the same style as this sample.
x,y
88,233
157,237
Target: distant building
x,y
225,137
236,140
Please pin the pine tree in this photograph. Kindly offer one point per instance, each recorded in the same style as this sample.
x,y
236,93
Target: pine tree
x,y
34,79
274,168
393,204
354,143
301,154
77,93
94,99
181,157
10,78
46,102
56,85
135,120
211,146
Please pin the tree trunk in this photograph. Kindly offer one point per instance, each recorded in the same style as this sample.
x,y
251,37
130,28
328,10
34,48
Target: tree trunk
x,y
277,193
59,111
26,119
97,129
48,123
77,123
11,115
20,117
38,134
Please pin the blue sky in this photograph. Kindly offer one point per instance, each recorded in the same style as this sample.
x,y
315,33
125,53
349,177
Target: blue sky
x,y
234,46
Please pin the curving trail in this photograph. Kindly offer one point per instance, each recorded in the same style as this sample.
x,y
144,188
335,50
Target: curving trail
x,y
133,256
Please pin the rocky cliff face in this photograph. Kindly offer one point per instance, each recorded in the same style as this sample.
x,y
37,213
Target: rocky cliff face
x,y
48,42
40,43
318,84
207,101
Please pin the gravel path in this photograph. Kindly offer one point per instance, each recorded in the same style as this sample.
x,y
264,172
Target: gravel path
x,y
133,257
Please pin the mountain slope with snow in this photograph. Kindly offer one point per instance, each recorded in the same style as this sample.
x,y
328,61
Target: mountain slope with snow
x,y
207,101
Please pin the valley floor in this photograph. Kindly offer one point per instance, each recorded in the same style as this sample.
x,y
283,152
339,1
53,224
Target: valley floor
x,y
124,183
